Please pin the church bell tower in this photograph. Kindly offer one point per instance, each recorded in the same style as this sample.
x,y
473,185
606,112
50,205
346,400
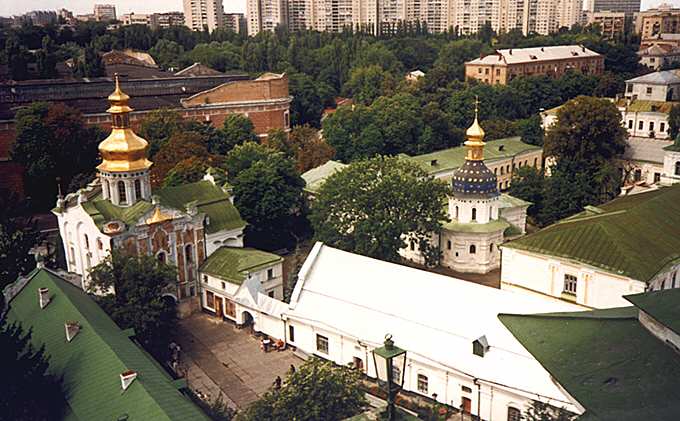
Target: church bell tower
x,y
124,171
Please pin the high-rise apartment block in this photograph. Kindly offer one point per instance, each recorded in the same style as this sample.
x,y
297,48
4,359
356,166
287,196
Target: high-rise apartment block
x,y
629,7
611,23
104,12
235,21
381,16
202,14
154,20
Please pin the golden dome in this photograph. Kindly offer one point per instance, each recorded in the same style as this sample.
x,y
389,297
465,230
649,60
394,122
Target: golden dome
x,y
122,150
475,139
475,131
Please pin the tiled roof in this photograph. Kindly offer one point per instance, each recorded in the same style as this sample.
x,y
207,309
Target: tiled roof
x,y
452,158
606,360
661,305
92,362
535,54
636,236
211,200
234,263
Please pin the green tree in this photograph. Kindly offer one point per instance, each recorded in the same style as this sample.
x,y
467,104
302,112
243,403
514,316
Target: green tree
x,y
188,170
309,148
167,53
158,126
52,141
181,146
17,58
130,289
316,390
528,183
267,192
91,64
531,130
540,411
17,237
674,121
365,84
307,104
34,393
375,207
237,130
353,133
46,59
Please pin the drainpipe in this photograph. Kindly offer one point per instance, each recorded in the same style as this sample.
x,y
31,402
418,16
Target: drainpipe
x,y
479,396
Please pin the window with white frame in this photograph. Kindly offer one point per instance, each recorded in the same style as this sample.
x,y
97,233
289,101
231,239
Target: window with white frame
x,y
514,414
422,384
322,343
570,282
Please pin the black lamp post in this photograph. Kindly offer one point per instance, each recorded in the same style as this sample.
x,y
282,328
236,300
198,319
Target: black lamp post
x,y
390,364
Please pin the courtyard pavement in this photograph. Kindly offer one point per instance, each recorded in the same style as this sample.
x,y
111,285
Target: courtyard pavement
x,y
219,358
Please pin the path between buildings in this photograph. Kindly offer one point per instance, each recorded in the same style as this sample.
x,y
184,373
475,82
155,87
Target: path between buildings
x,y
216,355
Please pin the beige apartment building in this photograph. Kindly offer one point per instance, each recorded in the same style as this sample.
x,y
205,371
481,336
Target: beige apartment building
x,y
611,23
200,14
266,15
504,65
104,12
654,22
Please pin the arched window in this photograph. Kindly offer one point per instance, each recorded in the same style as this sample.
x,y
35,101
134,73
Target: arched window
x,y
677,168
161,256
474,214
189,253
122,198
87,242
138,189
514,414
456,212
491,248
422,384
473,249
448,244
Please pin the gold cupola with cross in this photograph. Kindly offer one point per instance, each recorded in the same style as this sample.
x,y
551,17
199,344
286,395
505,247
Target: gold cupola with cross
x,y
124,171
122,150
475,138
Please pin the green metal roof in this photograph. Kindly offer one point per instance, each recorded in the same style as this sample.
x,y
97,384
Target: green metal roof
x,y
315,177
102,211
233,263
646,106
211,200
664,306
636,236
452,158
606,360
492,226
92,362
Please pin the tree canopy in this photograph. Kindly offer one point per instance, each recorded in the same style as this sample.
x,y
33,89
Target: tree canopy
x,y
317,390
375,207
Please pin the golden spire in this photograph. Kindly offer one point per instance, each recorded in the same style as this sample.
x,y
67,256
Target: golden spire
x,y
122,150
158,216
475,138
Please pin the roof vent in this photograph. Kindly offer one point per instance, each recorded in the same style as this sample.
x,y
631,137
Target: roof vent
x,y
126,378
501,148
72,329
44,297
510,51
533,57
433,163
542,49
583,48
480,346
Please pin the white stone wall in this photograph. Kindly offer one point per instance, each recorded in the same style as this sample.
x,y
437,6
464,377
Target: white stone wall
x,y
658,92
659,330
459,257
517,216
595,288
647,172
669,278
75,225
670,161
230,238
463,210
491,400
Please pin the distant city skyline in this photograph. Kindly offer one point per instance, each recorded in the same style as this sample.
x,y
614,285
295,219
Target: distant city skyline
x,y
9,8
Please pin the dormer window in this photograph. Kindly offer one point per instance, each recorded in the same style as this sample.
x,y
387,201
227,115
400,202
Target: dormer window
x,y
480,346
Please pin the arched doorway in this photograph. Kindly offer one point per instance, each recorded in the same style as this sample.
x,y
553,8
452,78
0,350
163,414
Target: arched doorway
x,y
247,321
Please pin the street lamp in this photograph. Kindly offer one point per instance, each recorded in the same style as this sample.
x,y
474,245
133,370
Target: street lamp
x,y
390,364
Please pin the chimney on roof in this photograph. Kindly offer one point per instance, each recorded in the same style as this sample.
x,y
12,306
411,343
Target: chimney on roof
x,y
43,297
542,50
433,163
583,49
72,329
480,346
126,378
501,148
510,52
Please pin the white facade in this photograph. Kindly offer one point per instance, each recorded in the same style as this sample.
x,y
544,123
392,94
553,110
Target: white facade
x,y
671,168
653,125
344,304
200,14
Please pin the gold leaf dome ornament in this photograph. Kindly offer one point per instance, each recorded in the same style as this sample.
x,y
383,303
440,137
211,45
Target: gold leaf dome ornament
x,y
122,150
475,138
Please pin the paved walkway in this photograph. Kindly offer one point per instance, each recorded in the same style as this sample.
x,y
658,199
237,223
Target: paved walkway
x,y
217,356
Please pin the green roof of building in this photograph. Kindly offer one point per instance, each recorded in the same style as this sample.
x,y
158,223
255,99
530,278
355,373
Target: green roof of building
x,y
606,360
452,158
507,201
315,177
210,199
646,106
92,362
663,305
636,236
492,226
234,263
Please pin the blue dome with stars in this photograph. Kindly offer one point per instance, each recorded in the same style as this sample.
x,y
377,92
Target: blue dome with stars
x,y
474,180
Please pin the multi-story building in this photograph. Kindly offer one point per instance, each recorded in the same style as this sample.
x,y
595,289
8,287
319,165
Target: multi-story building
x,y
629,7
39,17
235,21
166,19
135,19
266,15
658,56
202,14
302,15
504,65
104,12
662,20
611,23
